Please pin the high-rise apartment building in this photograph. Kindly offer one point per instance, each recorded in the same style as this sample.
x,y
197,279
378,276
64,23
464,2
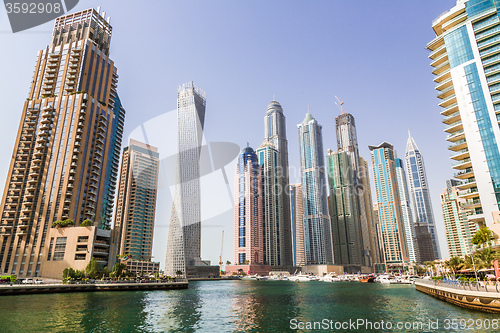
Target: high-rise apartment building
x,y
66,153
344,212
419,192
297,216
393,239
459,230
273,212
317,232
404,199
184,235
275,134
364,173
136,204
248,218
465,63
347,142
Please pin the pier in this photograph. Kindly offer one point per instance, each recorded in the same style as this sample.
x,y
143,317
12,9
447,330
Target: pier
x,y
482,296
21,289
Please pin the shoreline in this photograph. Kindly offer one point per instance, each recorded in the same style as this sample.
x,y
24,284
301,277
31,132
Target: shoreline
x,y
93,287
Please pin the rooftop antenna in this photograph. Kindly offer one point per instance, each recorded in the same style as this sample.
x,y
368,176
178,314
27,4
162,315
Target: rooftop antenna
x,y
340,105
274,98
248,145
409,135
308,108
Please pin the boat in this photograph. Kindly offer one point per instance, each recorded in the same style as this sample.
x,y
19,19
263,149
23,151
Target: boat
x,y
300,278
367,278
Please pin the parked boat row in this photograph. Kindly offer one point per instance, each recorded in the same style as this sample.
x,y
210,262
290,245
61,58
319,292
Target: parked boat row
x,y
302,277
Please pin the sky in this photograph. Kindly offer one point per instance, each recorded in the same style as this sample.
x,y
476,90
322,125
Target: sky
x,y
370,54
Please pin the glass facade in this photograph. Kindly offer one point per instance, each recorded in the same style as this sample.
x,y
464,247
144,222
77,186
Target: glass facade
x,y
458,46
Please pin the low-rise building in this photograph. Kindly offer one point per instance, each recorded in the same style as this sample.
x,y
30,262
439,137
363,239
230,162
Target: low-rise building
x,y
74,247
141,267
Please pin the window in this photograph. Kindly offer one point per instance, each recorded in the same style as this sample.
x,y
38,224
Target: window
x,y
60,248
83,239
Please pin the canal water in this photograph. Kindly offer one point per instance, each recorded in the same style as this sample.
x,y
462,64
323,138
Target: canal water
x,y
244,306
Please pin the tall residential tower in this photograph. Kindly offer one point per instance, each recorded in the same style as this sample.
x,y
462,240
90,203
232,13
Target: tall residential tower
x,y
419,192
136,204
184,235
317,233
465,60
67,149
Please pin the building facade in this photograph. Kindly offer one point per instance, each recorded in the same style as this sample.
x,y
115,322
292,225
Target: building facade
x,y
248,206
404,199
465,63
184,235
67,149
344,211
275,133
317,232
347,142
459,229
297,216
419,192
272,207
136,204
393,239
364,172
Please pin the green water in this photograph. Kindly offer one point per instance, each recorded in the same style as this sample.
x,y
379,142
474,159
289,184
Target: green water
x,y
234,306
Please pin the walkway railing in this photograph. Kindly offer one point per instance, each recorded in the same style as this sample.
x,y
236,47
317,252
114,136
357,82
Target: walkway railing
x,y
483,286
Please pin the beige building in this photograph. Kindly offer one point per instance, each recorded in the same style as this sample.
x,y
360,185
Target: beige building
x,y
66,152
297,216
136,205
74,247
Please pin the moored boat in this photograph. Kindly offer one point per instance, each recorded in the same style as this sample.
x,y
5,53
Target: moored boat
x,y
367,278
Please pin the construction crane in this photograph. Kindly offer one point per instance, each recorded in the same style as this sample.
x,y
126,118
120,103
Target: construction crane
x,y
340,105
221,247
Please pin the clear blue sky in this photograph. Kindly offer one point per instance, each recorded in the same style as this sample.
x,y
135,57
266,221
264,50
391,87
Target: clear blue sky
x,y
369,53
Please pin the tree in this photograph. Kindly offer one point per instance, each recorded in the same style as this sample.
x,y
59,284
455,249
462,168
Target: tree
x,y
228,262
118,269
92,269
486,258
482,236
86,223
178,273
454,263
62,224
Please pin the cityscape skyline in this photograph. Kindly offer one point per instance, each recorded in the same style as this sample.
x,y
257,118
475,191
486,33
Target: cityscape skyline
x,y
325,114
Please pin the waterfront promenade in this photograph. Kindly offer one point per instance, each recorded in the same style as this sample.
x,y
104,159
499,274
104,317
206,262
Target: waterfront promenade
x,y
20,289
480,295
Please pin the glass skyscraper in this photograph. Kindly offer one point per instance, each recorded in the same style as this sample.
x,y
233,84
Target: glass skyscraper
x,y
411,240
466,64
184,235
136,204
67,149
419,192
317,232
248,219
344,211
393,239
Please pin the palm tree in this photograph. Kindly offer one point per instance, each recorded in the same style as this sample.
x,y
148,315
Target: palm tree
x,y
482,236
486,257
454,263
178,273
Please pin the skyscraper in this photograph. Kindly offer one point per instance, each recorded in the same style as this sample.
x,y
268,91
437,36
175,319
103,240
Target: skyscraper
x,y
184,235
419,192
347,141
404,199
66,153
344,211
391,223
136,205
297,216
275,133
317,233
248,219
372,221
464,58
459,230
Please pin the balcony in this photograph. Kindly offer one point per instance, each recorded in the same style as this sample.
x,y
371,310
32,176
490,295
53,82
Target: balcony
x,y
441,68
464,164
460,155
469,193
469,183
455,127
471,204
